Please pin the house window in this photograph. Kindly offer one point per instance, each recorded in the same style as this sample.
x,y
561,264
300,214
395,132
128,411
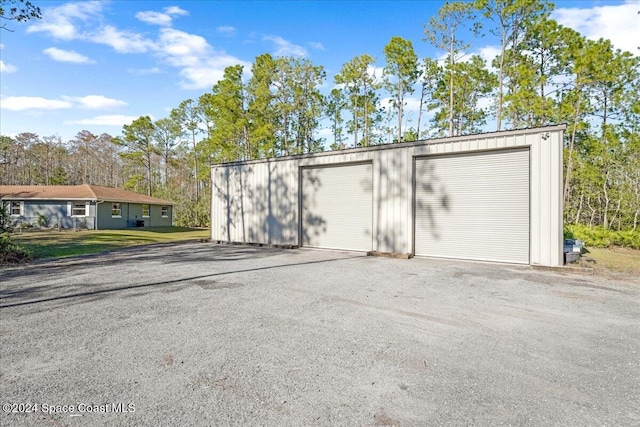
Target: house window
x,y
145,211
165,212
79,209
116,210
16,208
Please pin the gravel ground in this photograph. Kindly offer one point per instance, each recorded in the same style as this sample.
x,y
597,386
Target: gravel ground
x,y
204,334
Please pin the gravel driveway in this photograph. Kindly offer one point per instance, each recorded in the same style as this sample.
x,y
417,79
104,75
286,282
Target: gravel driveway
x,y
203,334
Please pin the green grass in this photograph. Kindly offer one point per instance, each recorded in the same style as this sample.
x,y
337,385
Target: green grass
x,y
59,244
620,260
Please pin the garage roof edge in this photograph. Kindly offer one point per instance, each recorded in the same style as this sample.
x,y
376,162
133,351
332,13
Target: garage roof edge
x,y
391,146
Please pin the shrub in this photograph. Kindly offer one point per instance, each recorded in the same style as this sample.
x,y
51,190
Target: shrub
x,y
600,237
43,220
12,253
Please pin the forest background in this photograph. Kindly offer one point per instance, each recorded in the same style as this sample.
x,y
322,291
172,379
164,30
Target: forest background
x,y
544,73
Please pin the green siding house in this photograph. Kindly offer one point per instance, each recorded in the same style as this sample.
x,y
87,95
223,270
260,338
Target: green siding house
x,y
84,206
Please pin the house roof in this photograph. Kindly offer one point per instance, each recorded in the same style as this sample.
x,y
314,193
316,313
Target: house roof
x,y
76,192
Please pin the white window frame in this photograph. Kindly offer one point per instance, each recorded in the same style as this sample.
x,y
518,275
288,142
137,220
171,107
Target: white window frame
x,y
11,206
71,207
148,211
165,211
119,209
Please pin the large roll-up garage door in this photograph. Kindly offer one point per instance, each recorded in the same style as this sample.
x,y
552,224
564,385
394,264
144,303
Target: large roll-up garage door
x,y
337,207
473,206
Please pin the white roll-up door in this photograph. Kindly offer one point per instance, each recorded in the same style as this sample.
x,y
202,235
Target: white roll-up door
x,y
473,206
337,207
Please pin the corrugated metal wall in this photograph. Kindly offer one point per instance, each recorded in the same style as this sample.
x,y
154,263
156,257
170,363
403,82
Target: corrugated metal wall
x,y
259,201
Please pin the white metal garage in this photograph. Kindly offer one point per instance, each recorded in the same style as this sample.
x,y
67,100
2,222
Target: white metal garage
x,y
337,207
473,206
494,197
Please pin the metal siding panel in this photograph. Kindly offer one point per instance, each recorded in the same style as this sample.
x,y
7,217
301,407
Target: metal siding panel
x,y
474,206
535,203
337,207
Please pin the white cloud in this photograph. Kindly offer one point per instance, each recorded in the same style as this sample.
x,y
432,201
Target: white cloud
x,y
67,56
122,41
21,103
226,30
144,71
58,21
156,18
201,66
376,72
285,47
109,120
82,21
325,133
7,68
175,10
412,104
485,103
184,47
489,53
159,18
618,23
204,74
316,45
96,102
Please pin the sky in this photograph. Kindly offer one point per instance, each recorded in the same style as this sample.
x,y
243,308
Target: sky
x,y
97,65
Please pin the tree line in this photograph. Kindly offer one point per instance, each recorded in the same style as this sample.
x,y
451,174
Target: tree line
x,y
544,73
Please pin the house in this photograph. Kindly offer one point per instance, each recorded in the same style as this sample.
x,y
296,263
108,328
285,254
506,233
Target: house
x,y
491,197
84,206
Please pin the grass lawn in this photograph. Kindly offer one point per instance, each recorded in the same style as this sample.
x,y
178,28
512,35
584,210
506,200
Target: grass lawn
x,y
620,260
58,244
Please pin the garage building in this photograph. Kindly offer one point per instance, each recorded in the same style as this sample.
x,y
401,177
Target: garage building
x,y
490,197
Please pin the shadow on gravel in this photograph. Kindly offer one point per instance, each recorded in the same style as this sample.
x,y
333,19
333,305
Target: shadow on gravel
x,y
180,251
99,292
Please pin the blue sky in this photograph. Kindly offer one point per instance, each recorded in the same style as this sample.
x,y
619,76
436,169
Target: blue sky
x,y
97,65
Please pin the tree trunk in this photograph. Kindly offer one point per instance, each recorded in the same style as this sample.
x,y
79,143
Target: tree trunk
x,y
195,168
567,179
451,65
605,221
420,109
500,83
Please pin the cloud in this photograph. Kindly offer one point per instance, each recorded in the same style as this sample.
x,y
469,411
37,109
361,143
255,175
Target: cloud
x,y
96,102
156,18
67,56
181,46
21,103
109,120
489,53
7,68
58,21
159,18
316,45
376,72
201,66
285,47
122,41
144,71
226,30
618,23
206,73
81,21
175,10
